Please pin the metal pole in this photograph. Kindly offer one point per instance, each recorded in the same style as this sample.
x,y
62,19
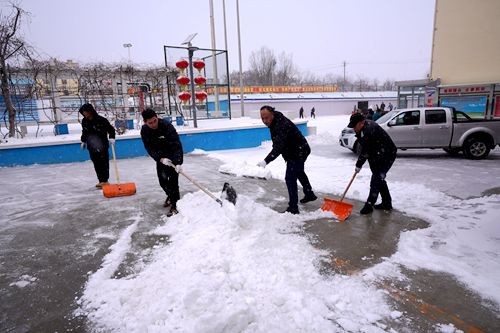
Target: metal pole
x,y
193,97
214,58
225,30
242,98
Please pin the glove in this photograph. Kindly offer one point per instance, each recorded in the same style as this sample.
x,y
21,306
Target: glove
x,y
357,169
83,145
262,164
178,168
112,141
165,161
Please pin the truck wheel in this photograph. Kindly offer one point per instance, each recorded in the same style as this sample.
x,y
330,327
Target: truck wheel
x,y
476,148
452,151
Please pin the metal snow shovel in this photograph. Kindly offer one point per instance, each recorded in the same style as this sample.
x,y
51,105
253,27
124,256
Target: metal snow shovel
x,y
229,191
117,190
341,209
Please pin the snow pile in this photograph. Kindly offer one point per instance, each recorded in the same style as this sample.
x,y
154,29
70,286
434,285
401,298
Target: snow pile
x,y
230,269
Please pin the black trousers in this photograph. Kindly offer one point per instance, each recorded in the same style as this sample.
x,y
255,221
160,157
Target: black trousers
x,y
378,185
169,181
294,172
100,159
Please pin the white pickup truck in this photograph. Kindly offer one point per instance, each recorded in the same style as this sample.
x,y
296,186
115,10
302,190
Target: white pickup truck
x,y
435,127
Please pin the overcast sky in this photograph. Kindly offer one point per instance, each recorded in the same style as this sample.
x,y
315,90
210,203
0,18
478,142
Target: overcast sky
x,y
377,38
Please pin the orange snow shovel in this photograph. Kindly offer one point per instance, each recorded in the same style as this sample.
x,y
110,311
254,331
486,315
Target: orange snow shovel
x,y
341,209
117,190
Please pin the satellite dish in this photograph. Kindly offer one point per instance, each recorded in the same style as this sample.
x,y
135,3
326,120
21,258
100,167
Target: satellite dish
x,y
189,39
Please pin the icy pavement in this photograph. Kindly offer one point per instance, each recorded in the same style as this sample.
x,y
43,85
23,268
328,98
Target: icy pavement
x,y
74,261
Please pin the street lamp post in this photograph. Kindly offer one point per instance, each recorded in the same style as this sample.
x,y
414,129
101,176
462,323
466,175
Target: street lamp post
x,y
128,46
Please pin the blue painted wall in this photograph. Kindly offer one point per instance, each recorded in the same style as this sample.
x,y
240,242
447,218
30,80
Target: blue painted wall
x,y
133,147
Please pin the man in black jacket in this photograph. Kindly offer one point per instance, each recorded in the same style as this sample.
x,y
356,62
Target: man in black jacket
x,y
163,144
289,142
376,147
95,131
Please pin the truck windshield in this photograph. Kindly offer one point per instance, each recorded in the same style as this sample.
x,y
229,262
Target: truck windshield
x,y
386,117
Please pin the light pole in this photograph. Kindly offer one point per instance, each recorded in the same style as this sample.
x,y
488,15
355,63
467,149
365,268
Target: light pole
x,y
242,98
128,46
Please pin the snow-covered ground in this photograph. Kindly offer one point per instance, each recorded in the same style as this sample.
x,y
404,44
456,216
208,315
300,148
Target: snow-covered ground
x,y
247,268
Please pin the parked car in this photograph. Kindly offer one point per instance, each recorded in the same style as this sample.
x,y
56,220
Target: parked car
x,y
435,127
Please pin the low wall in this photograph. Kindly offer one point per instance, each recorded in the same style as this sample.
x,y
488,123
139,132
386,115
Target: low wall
x,y
126,147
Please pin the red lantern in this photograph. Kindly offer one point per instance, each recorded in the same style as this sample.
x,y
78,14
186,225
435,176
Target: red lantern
x,y
201,96
199,64
183,81
200,80
184,96
182,65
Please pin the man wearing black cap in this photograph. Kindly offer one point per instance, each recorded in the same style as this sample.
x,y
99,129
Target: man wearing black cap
x,y
288,142
163,144
376,147
95,131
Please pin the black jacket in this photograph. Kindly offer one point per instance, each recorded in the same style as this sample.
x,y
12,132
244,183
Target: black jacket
x,y
287,140
162,142
95,133
376,147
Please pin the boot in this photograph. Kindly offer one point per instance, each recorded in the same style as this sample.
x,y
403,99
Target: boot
x,y
308,198
291,211
367,209
172,211
167,203
383,206
100,184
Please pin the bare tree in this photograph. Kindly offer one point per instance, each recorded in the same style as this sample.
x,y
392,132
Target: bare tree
x,y
12,46
263,66
286,72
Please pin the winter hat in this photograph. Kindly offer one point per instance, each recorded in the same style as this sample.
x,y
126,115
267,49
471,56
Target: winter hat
x,y
148,114
355,119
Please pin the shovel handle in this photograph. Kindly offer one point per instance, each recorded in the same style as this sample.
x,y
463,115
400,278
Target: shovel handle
x,y
114,161
348,185
197,184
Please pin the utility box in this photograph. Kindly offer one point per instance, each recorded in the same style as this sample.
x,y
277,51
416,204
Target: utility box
x,y
60,129
179,121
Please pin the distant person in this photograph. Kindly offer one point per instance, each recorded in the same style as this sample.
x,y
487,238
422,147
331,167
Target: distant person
x,y
301,112
313,113
377,114
288,142
95,131
378,148
163,144
382,106
390,106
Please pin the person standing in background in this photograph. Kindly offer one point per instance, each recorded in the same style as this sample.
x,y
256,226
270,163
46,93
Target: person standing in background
x,y
95,131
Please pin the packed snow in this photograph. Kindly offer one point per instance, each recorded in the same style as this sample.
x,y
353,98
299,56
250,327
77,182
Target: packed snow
x,y
247,268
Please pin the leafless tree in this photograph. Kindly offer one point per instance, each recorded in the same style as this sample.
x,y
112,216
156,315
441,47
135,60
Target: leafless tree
x,y
286,71
388,85
263,66
12,47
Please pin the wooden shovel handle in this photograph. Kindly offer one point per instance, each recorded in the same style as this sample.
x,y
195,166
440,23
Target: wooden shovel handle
x,y
349,185
114,161
197,184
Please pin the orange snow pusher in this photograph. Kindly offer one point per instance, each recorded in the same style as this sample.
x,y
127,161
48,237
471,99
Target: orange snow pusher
x,y
339,208
117,190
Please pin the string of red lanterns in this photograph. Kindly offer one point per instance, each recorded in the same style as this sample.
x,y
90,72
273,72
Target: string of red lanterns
x,y
183,80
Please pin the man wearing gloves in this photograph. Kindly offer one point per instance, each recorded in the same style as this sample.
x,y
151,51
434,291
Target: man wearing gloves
x,y
162,143
95,131
376,147
289,142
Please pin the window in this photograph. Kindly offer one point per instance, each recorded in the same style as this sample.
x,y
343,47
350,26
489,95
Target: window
x,y
408,118
435,116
